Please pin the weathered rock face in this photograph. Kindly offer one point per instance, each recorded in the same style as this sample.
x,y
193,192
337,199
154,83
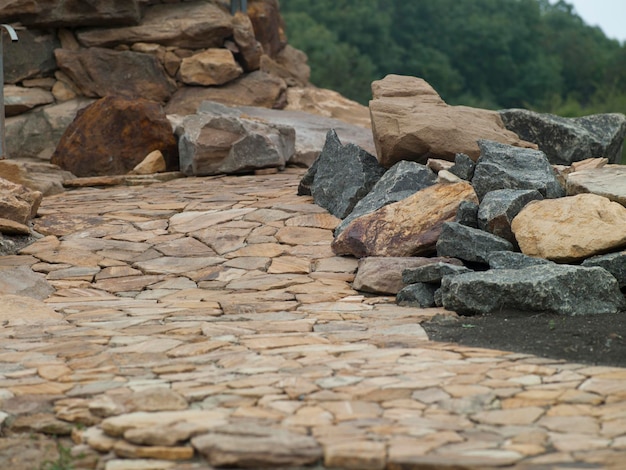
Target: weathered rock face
x,y
249,50
411,122
608,181
615,263
31,56
568,140
116,134
343,175
290,64
469,244
505,167
570,228
18,203
212,67
513,260
38,176
18,100
563,289
409,227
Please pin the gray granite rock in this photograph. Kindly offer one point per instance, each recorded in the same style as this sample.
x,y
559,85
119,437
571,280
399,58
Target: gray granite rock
x,y
469,244
463,167
513,260
568,140
503,166
432,273
420,295
562,289
615,263
399,182
467,214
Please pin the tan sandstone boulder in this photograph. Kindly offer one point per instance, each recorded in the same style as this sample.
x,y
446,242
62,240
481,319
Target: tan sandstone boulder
x,y
571,228
17,202
410,121
409,227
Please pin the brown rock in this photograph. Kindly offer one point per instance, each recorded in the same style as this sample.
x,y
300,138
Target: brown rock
x,y
18,100
113,135
43,177
410,121
249,49
409,227
10,227
290,64
383,275
17,202
570,228
192,25
268,25
254,89
102,72
211,67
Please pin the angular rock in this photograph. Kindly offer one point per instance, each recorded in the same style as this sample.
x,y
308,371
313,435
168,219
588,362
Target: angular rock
x,y
419,295
410,121
498,209
506,167
571,228
551,288
268,25
290,64
10,227
384,275
432,273
615,263
43,177
31,56
113,135
344,175
469,244
463,167
249,49
18,100
102,72
568,140
608,181
467,214
212,144
409,227
211,67
191,25
399,182
153,163
513,260
253,89
17,202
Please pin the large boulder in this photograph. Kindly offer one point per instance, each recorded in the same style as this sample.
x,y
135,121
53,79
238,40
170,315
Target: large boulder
x,y
550,288
102,72
608,181
343,175
409,227
469,244
568,140
113,135
571,228
502,166
410,121
399,182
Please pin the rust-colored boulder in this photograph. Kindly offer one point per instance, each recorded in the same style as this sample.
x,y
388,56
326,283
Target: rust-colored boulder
x,y
409,227
113,135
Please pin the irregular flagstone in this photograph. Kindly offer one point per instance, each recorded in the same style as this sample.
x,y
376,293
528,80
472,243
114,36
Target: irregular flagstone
x,y
176,265
192,221
19,310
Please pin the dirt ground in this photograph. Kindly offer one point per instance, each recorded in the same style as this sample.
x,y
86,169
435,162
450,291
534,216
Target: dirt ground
x,y
590,339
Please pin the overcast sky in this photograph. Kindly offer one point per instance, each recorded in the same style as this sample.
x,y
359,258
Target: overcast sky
x,y
610,15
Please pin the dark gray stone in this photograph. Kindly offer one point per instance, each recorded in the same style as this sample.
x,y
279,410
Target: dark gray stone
x,y
469,244
615,263
420,295
550,288
463,167
568,140
467,214
502,166
432,273
513,260
31,56
438,298
304,188
345,174
399,182
498,209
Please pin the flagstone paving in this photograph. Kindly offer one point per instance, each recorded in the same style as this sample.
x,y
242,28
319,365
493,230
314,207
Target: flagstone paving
x,y
205,322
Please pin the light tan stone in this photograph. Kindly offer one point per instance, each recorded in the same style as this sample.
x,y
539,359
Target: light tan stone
x,y
211,67
359,455
153,163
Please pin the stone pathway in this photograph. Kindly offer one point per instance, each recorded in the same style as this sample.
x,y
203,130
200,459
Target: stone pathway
x,y
204,322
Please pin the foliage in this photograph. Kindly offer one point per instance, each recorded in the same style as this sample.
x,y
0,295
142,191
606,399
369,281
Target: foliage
x,y
489,53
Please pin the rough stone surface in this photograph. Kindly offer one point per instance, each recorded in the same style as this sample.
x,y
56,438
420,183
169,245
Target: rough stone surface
x,y
290,64
420,295
249,50
214,66
46,178
17,202
344,175
615,263
409,227
21,281
568,140
469,244
506,167
32,55
410,121
571,228
463,167
102,72
512,260
18,100
608,181
498,209
467,214
113,135
562,289
432,273
384,275
399,182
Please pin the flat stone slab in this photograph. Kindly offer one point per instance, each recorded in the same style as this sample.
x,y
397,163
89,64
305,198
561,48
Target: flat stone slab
x,y
608,181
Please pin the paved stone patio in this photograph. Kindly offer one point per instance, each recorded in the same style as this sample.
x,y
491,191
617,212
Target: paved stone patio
x,y
204,322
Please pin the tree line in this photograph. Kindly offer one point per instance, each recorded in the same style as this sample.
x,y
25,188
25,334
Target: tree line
x,y
491,54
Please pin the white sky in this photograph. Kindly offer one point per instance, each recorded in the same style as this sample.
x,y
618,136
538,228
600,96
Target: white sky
x,y
609,15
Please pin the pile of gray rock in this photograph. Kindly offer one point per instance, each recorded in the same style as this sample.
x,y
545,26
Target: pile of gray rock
x,y
508,227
